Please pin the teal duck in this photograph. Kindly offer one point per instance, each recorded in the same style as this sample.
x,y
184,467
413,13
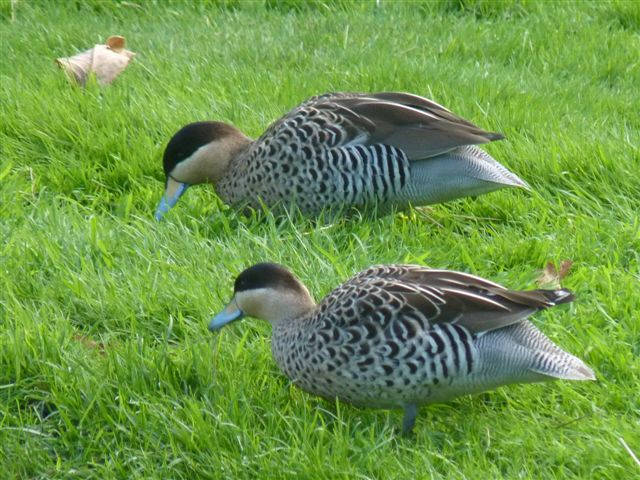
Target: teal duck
x,y
401,336
339,150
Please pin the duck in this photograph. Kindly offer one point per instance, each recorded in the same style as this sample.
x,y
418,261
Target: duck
x,y
339,151
402,336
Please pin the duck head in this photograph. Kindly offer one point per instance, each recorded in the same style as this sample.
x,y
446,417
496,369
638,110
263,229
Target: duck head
x,y
267,291
198,153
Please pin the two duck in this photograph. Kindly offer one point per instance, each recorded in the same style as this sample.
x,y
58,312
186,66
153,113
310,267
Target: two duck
x,y
394,336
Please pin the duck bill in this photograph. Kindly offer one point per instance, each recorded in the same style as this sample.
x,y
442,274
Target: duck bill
x,y
229,314
172,193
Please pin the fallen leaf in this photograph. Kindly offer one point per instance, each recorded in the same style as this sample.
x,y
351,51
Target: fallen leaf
x,y
115,43
565,266
87,342
105,61
551,276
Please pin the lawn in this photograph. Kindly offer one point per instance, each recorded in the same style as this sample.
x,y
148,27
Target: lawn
x,y
107,369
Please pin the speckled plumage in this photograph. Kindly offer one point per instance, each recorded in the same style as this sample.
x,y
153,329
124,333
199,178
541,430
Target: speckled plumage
x,y
399,336
354,150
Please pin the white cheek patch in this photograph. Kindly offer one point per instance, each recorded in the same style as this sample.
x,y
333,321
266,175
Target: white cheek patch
x,y
272,303
255,302
199,166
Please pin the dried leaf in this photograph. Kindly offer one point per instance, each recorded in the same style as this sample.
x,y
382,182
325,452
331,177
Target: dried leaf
x,y
563,271
87,342
551,276
105,61
115,43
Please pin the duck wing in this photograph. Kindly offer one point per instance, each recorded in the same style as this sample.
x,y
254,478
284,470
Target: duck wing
x,y
420,127
411,298
416,125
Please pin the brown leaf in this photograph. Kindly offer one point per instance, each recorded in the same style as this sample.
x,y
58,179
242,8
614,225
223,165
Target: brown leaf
x,y
87,342
565,266
551,276
105,61
115,43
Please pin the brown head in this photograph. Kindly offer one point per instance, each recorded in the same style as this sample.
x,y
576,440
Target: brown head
x,y
267,291
198,153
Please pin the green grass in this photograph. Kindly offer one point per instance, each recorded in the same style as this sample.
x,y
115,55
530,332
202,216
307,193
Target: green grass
x,y
107,369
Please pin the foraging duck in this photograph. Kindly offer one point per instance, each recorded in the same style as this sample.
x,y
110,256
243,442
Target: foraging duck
x,y
401,336
339,150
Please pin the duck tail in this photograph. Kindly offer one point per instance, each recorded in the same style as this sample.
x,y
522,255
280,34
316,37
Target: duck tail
x,y
563,366
546,357
525,354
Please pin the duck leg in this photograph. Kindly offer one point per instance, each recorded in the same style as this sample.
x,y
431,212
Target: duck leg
x,y
409,420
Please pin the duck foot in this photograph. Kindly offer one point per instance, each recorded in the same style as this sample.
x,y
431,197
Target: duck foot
x,y
409,420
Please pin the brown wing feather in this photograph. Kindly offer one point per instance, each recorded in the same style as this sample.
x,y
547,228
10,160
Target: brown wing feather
x,y
419,133
443,296
418,126
422,103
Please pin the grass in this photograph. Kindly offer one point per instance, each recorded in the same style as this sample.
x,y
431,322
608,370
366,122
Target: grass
x,y
107,369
